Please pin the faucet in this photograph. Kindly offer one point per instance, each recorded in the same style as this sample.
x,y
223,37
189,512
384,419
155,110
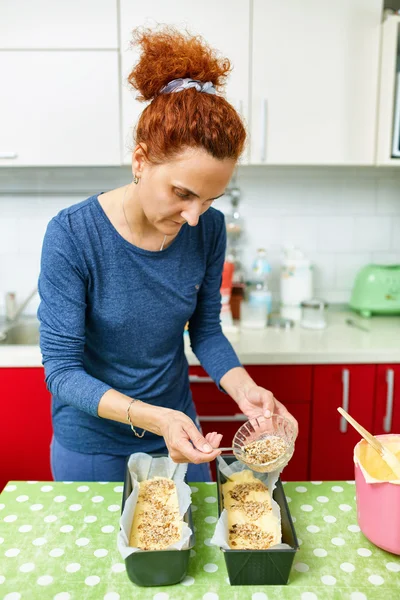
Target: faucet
x,y
13,311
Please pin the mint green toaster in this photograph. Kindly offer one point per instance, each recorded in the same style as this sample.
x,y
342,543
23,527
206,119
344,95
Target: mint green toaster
x,y
376,290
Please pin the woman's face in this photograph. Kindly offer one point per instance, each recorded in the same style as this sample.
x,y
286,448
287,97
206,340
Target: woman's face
x,y
180,190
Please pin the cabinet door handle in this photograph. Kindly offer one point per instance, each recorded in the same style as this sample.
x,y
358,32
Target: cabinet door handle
x,y
387,421
8,155
263,130
227,419
345,398
199,379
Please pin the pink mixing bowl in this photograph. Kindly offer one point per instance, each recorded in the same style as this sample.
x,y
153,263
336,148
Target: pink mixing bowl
x,y
378,509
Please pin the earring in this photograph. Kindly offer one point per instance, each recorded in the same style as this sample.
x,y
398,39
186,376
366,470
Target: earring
x,y
135,179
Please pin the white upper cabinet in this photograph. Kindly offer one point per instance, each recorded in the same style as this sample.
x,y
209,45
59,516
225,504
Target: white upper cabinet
x,y
59,108
58,24
389,95
314,81
225,25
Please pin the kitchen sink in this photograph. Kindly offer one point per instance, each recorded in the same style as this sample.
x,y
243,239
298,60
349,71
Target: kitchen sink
x,y
22,333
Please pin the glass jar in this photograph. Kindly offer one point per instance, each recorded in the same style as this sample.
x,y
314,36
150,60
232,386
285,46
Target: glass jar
x,y
313,313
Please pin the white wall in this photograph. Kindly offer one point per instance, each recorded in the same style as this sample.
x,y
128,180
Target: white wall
x,y
343,218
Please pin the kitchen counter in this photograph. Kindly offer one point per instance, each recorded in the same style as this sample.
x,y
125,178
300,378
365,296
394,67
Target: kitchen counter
x,y
58,541
338,343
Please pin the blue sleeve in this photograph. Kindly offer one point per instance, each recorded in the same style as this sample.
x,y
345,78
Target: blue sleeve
x,y
209,344
62,290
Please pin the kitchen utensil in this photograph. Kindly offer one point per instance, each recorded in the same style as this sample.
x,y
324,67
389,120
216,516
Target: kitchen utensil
x,y
234,223
260,428
354,323
382,450
233,220
376,290
313,315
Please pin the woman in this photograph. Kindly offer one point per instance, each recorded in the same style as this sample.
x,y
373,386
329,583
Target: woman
x,y
123,271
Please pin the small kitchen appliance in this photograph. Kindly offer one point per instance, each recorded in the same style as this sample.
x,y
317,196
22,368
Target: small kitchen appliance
x,y
376,290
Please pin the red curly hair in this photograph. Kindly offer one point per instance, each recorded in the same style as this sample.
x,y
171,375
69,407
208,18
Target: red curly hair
x,y
188,118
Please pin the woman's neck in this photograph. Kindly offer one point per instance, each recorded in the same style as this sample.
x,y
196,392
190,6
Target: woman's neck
x,y
137,221
142,233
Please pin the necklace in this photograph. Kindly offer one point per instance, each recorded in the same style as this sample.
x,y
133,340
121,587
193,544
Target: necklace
x,y
127,222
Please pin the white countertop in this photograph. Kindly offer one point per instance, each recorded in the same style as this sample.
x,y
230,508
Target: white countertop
x,y
338,343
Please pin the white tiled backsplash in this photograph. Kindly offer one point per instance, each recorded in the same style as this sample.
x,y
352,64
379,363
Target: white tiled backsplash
x,y
343,218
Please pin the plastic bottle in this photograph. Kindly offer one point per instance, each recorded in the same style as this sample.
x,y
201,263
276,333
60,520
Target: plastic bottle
x,y
261,270
259,297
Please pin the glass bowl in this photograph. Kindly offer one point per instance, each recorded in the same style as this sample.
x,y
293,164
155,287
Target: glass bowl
x,y
260,428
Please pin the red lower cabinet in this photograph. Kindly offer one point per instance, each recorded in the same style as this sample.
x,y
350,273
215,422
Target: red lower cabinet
x,y
289,383
298,467
324,447
387,403
25,425
332,438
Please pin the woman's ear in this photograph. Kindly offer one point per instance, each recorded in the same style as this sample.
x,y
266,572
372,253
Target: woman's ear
x,y
139,158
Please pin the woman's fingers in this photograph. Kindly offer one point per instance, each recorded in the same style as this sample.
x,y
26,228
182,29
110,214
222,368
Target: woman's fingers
x,y
204,451
196,437
183,448
185,442
217,440
214,439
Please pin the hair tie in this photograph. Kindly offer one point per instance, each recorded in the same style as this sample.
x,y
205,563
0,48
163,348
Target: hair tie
x,y
178,85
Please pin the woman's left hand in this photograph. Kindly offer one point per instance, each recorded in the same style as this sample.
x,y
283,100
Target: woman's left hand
x,y
255,401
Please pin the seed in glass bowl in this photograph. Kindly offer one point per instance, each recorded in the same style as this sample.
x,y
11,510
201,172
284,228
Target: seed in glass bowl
x,y
265,450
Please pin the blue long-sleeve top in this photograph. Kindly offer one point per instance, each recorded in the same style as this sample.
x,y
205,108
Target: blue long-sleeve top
x,y
112,316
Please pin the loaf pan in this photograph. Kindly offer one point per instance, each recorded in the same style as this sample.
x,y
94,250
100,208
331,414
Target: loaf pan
x,y
157,567
261,567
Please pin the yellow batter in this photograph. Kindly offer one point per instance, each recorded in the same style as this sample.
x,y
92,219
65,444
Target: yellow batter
x,y
251,524
372,462
156,523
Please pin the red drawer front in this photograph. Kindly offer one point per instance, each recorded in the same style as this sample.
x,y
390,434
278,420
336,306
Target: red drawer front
x,y
387,401
298,467
288,383
26,425
207,397
333,439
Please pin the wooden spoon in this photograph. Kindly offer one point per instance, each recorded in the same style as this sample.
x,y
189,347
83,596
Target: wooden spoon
x,y
389,458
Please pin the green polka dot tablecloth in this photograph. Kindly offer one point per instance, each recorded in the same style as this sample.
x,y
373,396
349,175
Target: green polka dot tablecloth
x,y
58,542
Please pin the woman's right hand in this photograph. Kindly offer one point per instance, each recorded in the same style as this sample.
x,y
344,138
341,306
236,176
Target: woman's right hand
x,y
185,442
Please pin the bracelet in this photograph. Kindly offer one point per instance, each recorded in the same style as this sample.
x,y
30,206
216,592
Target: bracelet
x,y
128,418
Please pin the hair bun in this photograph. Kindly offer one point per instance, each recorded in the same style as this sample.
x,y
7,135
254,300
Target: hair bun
x,y
168,53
